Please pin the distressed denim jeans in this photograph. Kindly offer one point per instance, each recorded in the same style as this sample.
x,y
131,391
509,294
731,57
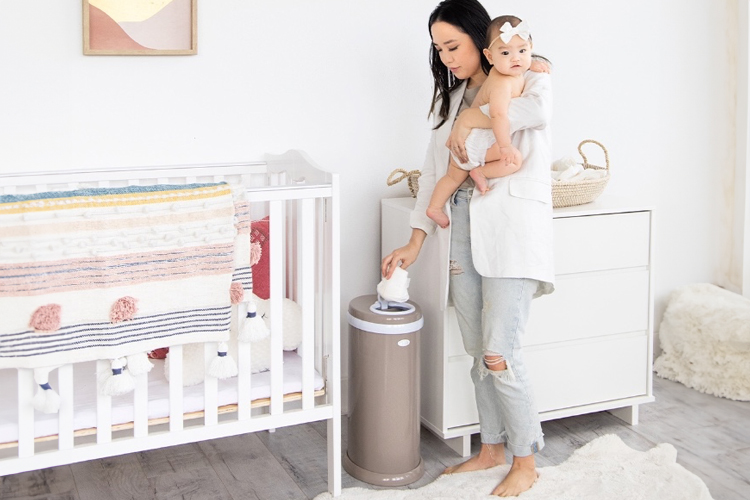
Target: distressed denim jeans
x,y
492,315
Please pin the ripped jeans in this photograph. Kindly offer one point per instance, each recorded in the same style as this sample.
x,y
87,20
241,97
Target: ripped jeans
x,y
492,315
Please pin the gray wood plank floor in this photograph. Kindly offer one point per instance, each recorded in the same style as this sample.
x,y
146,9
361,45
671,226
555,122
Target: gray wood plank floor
x,y
712,437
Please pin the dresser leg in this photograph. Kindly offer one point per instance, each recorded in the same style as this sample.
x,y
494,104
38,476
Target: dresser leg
x,y
461,445
628,414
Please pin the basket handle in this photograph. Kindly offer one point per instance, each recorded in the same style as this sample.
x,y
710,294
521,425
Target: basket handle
x,y
585,160
400,174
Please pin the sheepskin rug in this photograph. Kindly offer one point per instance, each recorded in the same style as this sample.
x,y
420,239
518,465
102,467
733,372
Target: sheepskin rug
x,y
604,469
705,336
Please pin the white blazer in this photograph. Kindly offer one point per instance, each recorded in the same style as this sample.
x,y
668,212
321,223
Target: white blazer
x,y
511,225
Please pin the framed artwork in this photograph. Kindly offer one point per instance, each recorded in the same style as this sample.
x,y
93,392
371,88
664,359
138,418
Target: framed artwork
x,y
140,27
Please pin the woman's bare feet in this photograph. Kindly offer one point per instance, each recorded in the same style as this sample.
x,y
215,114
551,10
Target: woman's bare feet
x,y
489,456
480,181
521,477
438,216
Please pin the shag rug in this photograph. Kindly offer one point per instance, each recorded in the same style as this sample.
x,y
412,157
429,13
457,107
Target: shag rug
x,y
705,338
604,469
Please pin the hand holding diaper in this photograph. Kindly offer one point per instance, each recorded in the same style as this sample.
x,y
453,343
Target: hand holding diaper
x,y
395,289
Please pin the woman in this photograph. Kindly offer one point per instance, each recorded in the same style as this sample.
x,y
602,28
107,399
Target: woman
x,y
503,259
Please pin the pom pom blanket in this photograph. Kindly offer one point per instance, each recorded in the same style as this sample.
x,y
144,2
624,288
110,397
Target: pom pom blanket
x,y
108,272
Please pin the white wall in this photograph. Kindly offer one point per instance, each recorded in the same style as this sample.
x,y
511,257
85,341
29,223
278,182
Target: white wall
x,y
348,82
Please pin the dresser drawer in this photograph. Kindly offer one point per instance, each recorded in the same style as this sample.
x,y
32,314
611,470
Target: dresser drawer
x,y
582,306
590,372
590,305
601,242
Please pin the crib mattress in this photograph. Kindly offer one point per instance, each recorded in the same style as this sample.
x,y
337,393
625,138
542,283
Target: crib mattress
x,y
84,375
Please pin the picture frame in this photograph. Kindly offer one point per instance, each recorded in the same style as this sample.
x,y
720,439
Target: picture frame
x,y
140,27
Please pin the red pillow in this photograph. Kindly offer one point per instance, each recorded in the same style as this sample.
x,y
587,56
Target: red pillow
x,y
160,353
261,271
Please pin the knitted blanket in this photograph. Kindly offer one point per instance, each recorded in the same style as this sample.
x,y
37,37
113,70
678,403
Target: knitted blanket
x,y
105,273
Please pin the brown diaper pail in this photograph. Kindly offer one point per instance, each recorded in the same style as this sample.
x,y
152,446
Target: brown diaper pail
x,y
383,443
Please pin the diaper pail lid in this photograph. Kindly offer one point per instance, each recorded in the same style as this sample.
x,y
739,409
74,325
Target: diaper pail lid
x,y
394,320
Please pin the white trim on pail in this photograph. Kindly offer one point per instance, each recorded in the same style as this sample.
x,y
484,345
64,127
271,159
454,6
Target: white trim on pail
x,y
388,329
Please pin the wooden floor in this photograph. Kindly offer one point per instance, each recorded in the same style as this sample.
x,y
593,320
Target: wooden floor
x,y
712,436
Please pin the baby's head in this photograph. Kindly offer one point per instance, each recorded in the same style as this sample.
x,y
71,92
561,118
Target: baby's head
x,y
508,45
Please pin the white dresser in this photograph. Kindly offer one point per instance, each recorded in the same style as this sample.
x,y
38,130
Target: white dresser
x,y
588,345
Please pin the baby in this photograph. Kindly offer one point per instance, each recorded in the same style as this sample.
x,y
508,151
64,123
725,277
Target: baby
x,y
490,151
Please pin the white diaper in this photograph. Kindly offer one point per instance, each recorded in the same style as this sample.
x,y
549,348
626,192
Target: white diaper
x,y
396,288
477,144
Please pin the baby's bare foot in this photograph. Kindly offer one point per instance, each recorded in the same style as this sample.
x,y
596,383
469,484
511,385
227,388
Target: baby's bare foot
x,y
438,216
480,181
487,458
518,480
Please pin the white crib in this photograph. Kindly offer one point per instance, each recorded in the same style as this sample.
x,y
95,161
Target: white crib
x,y
301,201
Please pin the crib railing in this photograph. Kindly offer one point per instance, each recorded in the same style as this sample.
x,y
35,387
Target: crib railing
x,y
302,204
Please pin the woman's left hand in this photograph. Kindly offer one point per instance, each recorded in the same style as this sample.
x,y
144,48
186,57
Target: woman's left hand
x,y
540,66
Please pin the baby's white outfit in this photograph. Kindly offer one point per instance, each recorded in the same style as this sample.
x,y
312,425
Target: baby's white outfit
x,y
477,144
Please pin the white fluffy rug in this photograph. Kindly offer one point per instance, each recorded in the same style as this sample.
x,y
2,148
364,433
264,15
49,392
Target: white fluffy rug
x,y
705,336
604,469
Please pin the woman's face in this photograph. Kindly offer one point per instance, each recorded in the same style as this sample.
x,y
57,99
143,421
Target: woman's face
x,y
457,51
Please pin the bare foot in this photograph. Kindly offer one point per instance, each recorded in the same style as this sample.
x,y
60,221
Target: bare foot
x,y
480,181
489,456
438,216
521,477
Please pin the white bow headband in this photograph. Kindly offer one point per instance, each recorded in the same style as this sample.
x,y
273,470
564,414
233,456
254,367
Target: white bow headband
x,y
507,32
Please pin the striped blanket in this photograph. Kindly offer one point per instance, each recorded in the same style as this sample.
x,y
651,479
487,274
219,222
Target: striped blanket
x,y
105,273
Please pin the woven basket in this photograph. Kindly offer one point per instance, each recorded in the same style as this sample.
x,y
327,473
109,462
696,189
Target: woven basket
x,y
570,193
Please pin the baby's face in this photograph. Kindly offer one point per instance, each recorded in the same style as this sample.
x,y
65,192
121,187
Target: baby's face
x,y
512,58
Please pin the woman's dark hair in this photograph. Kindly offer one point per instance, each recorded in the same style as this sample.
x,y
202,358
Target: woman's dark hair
x,y
470,17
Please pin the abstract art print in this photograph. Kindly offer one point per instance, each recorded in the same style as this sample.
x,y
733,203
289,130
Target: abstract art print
x,y
139,27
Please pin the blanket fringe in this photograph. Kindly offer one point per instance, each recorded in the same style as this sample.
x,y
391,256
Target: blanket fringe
x,y
46,400
223,366
119,381
253,327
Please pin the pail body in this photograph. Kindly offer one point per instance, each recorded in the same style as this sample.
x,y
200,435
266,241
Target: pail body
x,y
384,425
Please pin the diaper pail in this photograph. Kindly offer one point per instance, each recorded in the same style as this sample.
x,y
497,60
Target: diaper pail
x,y
383,443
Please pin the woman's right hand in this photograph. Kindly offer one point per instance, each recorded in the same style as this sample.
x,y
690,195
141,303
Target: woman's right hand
x,y
405,255
456,142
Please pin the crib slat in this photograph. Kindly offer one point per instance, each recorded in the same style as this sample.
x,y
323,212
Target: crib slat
x,y
244,375
306,295
26,388
323,322
210,387
65,389
175,388
103,406
276,214
140,406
